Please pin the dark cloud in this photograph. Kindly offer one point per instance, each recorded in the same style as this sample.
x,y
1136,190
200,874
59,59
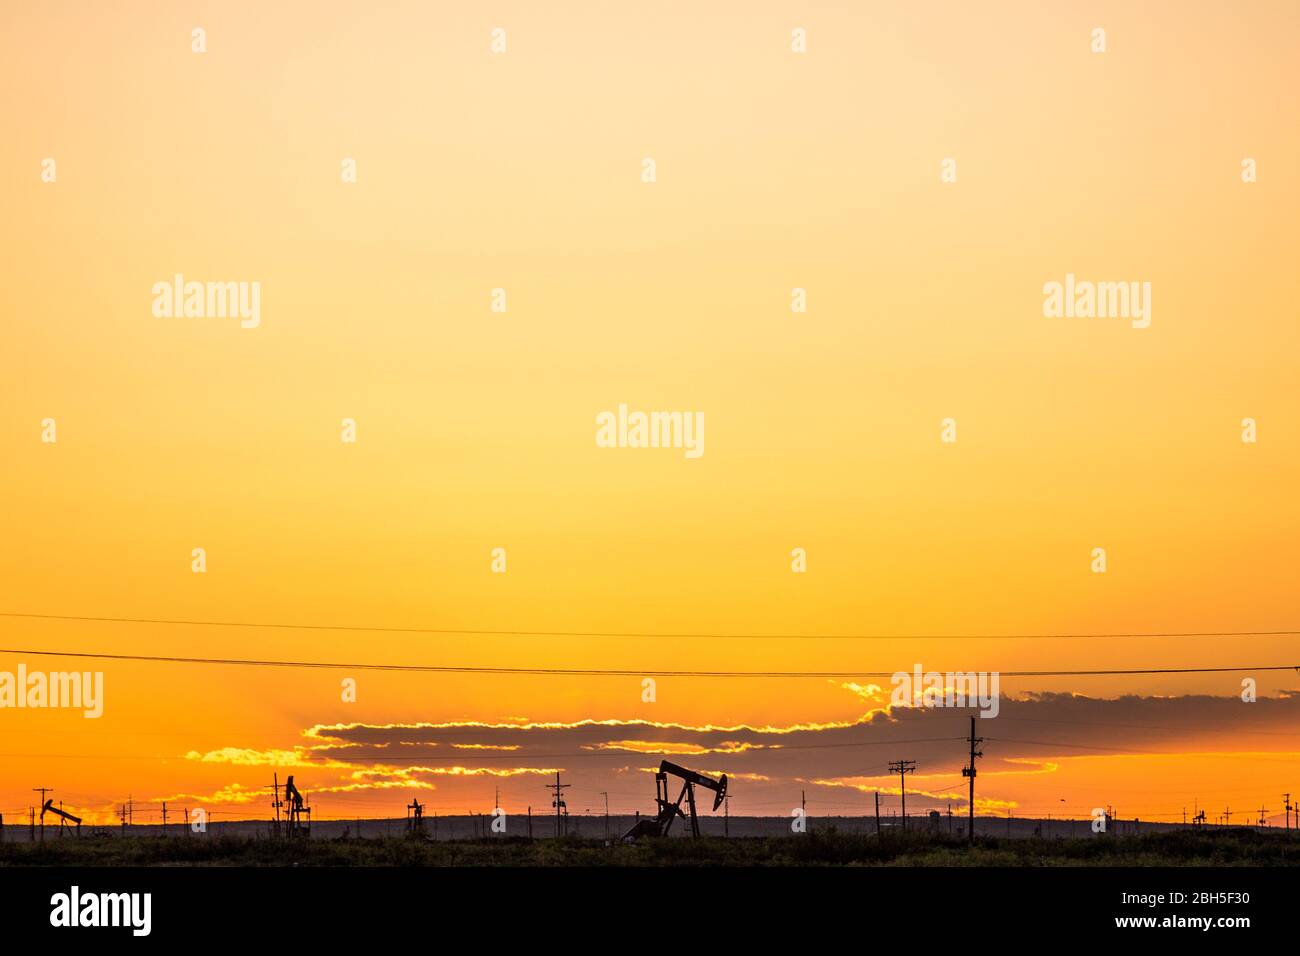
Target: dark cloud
x,y
1034,727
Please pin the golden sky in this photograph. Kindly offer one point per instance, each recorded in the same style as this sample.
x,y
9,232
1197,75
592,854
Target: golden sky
x,y
775,170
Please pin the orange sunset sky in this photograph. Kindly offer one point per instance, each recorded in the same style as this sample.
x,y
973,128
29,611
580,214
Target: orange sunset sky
x,y
522,170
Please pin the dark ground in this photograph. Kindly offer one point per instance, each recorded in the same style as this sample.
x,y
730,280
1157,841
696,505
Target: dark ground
x,y
1238,846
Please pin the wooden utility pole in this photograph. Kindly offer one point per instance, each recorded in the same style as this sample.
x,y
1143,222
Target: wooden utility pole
x,y
969,771
42,791
1287,798
903,768
605,794
561,808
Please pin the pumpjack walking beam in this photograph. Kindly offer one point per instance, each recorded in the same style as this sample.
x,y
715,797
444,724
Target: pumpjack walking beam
x,y
64,816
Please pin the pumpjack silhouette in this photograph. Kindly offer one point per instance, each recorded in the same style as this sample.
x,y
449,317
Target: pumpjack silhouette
x,y
299,813
670,810
64,817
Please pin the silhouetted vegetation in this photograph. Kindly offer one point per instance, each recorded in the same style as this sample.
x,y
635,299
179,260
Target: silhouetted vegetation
x,y
827,847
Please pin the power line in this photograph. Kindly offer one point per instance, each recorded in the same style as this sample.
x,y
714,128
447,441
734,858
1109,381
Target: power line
x,y
323,738
476,632
611,672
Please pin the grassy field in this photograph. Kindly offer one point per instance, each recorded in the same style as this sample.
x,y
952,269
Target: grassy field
x,y
1242,847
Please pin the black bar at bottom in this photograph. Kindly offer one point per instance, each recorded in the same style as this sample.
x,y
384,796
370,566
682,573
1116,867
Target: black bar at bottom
x,y
300,905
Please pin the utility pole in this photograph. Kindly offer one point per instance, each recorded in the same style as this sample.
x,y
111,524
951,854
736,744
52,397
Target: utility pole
x,y
530,822
164,829
803,805
1287,797
903,768
1262,812
877,813
605,794
561,808
949,818
42,791
969,771
1227,817
275,800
